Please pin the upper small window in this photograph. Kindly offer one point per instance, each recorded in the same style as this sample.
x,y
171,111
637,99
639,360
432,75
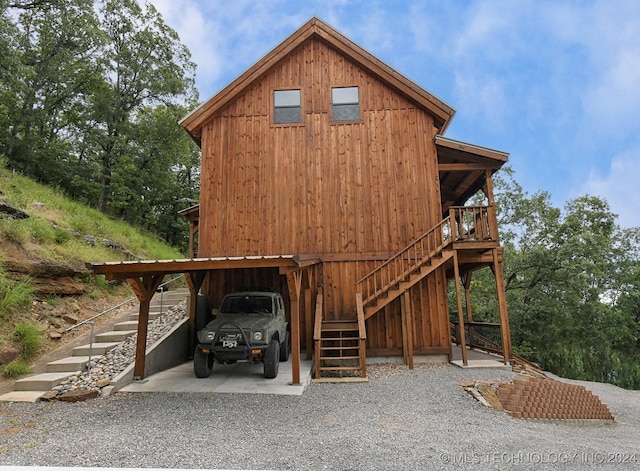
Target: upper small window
x,y
345,104
286,106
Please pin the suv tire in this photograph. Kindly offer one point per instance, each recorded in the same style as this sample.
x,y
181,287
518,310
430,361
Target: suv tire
x,y
285,348
202,363
271,357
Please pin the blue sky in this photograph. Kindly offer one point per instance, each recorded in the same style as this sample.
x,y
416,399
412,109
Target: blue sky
x,y
555,83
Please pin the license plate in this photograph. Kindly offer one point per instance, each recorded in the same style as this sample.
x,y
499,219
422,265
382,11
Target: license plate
x,y
230,341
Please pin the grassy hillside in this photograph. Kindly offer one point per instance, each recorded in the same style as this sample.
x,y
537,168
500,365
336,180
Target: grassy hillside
x,y
58,232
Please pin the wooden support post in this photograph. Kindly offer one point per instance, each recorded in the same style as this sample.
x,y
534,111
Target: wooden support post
x,y
493,218
505,330
308,322
194,282
294,282
407,329
144,288
456,270
317,331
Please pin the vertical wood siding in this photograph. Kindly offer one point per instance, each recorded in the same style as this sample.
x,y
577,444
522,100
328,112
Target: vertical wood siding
x,y
325,188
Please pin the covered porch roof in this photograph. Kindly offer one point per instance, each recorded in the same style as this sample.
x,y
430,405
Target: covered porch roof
x,y
463,169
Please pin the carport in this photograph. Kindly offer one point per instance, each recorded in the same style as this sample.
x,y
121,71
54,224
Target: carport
x,y
145,276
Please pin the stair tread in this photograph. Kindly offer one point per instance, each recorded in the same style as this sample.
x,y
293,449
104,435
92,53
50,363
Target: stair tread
x,y
41,382
357,337
344,379
337,349
340,368
340,330
357,357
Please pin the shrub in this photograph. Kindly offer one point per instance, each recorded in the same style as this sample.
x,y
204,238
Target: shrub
x,y
41,231
16,369
31,338
14,230
14,296
61,236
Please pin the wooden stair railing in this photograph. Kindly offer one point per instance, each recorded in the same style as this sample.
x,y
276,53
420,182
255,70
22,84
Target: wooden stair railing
x,y
339,348
420,258
395,276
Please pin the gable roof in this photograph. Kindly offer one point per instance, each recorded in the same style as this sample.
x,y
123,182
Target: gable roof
x,y
317,29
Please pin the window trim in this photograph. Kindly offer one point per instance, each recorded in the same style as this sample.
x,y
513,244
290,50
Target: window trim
x,y
274,107
359,103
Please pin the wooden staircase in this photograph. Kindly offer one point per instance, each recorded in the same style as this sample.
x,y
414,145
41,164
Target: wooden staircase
x,y
336,342
405,269
339,348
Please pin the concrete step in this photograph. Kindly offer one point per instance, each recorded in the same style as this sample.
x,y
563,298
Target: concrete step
x,y
22,396
98,348
173,295
152,316
41,382
115,336
167,299
69,364
126,325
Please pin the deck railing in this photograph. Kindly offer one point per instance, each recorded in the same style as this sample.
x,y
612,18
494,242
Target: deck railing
x,y
464,223
471,223
483,335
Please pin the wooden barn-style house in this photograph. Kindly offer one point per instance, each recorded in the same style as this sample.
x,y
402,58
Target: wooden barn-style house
x,y
325,174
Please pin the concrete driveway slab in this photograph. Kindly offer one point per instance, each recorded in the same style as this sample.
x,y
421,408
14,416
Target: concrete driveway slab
x,y
244,378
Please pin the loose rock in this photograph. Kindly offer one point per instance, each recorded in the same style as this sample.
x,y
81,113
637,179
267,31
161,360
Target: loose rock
x,y
105,367
78,395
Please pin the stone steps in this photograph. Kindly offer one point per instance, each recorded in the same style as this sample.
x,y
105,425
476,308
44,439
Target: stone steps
x,y
32,388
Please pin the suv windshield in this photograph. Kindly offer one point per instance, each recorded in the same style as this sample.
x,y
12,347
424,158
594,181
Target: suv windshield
x,y
246,304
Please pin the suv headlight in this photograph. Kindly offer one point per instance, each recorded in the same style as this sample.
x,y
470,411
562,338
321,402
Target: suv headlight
x,y
211,335
257,336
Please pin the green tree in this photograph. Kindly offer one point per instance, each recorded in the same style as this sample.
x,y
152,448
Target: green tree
x,y
144,65
571,285
160,176
52,66
89,103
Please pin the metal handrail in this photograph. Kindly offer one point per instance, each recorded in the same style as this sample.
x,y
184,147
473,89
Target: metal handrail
x,y
113,308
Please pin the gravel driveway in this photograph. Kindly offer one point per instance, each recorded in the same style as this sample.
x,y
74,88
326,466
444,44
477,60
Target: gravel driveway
x,y
401,419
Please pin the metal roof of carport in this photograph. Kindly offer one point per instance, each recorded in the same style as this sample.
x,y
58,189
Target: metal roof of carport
x,y
144,277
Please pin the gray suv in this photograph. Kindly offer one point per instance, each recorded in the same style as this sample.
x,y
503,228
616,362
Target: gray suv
x,y
249,326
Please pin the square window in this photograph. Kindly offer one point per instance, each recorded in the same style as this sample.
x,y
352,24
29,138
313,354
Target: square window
x,y
286,107
345,104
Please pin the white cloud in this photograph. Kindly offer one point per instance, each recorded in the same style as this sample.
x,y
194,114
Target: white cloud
x,y
600,40
484,100
199,33
620,187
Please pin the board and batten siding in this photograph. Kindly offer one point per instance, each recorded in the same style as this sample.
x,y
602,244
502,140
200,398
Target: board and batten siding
x,y
337,190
